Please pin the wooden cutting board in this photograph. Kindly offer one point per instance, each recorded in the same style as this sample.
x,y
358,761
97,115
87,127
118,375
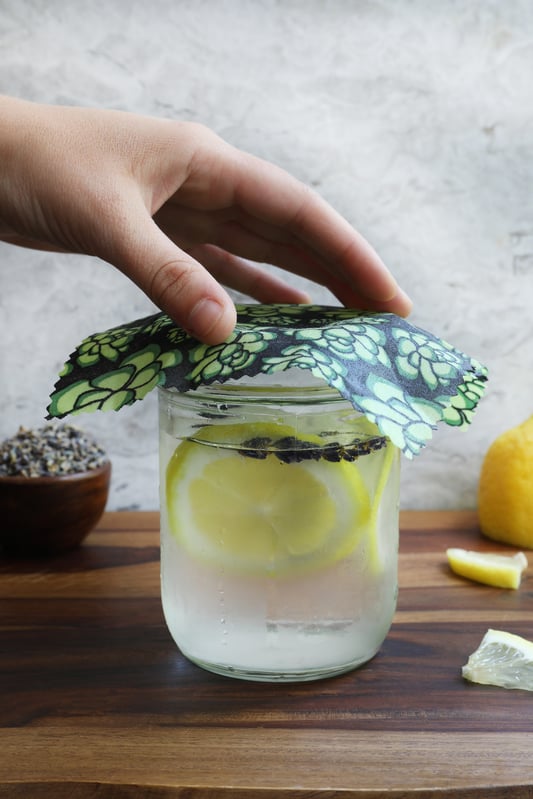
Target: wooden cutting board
x,y
96,701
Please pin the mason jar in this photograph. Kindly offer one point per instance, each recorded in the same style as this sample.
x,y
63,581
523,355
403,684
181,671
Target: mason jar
x,y
279,529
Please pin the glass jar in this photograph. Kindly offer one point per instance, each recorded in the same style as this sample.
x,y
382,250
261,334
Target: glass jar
x,y
279,530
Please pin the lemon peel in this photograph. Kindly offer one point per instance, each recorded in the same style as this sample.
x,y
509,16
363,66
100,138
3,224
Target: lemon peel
x,y
375,556
502,571
503,659
505,489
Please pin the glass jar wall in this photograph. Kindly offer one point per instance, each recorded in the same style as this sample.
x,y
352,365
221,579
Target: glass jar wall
x,y
279,530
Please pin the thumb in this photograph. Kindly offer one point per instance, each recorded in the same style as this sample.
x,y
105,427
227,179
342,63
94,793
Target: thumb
x,y
175,281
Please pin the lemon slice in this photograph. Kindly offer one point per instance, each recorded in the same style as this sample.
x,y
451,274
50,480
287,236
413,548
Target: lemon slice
x,y
503,571
501,659
262,515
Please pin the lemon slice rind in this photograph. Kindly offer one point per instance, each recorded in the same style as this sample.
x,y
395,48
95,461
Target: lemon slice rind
x,y
375,555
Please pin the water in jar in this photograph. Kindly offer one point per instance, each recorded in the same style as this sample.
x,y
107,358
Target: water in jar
x,y
279,537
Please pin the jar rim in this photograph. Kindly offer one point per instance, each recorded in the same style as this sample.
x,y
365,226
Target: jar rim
x,y
247,392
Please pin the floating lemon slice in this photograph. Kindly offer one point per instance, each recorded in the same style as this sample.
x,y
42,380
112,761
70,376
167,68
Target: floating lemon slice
x,y
503,571
501,659
263,514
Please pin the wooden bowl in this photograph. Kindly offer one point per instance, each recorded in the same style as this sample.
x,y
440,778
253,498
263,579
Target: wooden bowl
x,y
46,515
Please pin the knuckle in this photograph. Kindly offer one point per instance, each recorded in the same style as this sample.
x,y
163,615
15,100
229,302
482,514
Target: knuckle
x,y
173,277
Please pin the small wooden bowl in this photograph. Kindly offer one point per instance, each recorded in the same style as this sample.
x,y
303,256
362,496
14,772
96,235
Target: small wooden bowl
x,y
46,515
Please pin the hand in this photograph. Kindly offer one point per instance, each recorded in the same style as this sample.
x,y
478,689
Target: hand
x,y
177,210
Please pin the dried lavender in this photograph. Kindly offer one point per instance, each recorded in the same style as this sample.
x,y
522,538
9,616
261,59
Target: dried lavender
x,y
290,449
49,451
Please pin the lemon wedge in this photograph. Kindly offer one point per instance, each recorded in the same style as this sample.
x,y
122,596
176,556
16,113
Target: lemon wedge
x,y
503,571
501,659
262,514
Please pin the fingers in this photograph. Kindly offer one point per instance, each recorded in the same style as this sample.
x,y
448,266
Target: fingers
x,y
247,278
400,304
187,292
251,209
174,280
274,197
301,260
237,234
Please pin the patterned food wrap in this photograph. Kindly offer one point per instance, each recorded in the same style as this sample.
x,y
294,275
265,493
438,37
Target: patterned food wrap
x,y
402,378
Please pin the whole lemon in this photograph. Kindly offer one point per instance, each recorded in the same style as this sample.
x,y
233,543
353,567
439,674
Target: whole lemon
x,y
505,493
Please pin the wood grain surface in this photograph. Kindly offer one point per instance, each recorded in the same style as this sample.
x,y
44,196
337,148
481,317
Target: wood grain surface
x,y
96,701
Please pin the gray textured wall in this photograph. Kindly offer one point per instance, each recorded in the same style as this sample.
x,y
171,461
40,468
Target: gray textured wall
x,y
413,117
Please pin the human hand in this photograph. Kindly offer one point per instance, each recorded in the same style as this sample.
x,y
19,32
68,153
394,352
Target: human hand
x,y
177,210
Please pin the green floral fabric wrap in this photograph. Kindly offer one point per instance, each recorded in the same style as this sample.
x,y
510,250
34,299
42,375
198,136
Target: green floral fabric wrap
x,y
401,377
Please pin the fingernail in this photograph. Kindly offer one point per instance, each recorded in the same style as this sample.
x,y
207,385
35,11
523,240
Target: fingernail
x,y
204,317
